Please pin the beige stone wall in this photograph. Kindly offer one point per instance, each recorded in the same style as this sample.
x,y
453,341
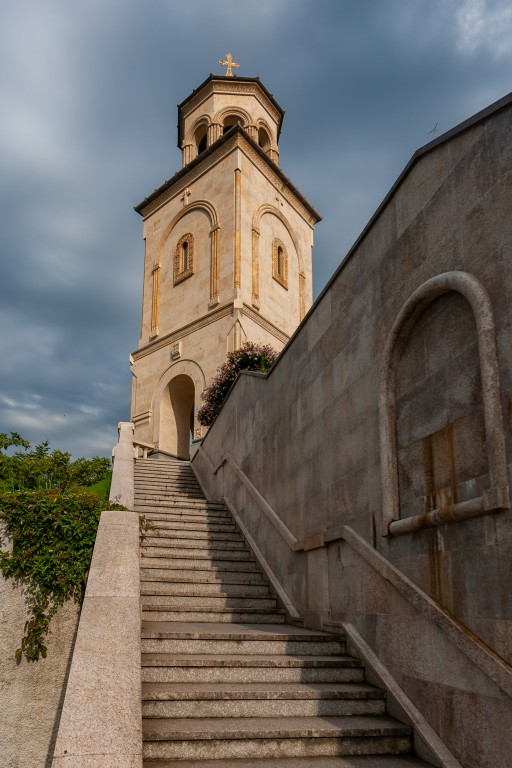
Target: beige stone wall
x,y
236,206
31,694
308,439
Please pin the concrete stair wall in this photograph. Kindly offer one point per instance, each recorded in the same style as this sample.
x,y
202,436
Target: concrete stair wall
x,y
226,682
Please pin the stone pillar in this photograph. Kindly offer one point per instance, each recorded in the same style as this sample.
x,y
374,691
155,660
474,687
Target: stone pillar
x,y
121,488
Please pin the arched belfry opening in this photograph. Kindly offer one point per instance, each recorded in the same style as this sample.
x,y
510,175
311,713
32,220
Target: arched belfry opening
x,y
177,416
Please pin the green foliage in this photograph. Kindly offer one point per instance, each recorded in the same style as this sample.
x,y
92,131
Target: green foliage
x,y
52,535
102,487
51,520
41,468
250,357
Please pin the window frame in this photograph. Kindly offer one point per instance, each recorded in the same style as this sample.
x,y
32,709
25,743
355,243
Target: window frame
x,y
280,271
186,242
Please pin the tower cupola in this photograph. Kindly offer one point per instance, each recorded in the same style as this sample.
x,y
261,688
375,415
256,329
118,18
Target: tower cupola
x,y
222,102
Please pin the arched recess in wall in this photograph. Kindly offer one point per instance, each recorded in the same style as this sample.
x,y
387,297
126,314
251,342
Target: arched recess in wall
x,y
208,208
197,137
265,139
175,400
256,219
230,116
496,497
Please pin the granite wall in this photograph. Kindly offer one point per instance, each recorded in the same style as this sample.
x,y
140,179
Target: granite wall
x,y
372,465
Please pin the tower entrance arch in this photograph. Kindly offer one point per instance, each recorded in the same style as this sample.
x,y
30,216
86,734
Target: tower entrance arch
x,y
177,398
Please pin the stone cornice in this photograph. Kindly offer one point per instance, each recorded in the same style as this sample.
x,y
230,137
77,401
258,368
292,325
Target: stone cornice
x,y
263,323
185,330
236,138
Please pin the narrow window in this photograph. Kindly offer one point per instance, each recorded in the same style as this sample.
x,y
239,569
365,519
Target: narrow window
x,y
184,258
280,263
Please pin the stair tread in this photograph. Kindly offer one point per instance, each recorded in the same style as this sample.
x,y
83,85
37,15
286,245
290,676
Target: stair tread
x,y
258,691
177,729
356,761
191,545
257,631
252,660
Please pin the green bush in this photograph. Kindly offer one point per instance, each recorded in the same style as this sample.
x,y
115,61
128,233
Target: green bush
x,y
50,517
250,357
53,534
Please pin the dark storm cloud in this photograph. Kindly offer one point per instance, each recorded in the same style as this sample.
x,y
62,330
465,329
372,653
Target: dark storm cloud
x,y
89,92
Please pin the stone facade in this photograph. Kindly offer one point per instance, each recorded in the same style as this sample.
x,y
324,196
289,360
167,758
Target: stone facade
x,y
372,466
228,256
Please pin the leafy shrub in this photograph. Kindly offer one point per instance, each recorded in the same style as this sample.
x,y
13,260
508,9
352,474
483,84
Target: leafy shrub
x,y
41,468
51,520
250,357
53,534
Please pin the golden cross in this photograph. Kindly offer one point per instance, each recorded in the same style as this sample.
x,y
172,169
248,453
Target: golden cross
x,y
229,63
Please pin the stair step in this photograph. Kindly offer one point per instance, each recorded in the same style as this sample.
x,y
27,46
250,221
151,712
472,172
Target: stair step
x,y
180,525
195,518
175,575
205,536
178,502
196,553
349,761
234,615
204,602
206,542
155,557
224,678
162,668
198,589
303,707
209,738
154,641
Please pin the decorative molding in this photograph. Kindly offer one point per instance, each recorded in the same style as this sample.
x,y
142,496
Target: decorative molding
x,y
155,298
183,258
141,418
265,165
212,317
214,267
497,496
263,323
302,295
238,227
234,88
252,153
255,267
271,210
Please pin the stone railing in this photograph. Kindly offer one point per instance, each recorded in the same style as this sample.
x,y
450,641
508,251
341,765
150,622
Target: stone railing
x,y
101,721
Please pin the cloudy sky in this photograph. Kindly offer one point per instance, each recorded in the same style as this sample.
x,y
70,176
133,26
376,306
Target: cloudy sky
x,y
88,95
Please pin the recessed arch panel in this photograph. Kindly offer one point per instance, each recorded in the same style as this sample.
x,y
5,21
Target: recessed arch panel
x,y
497,496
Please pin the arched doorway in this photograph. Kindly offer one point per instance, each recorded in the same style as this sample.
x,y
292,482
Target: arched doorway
x,y
177,416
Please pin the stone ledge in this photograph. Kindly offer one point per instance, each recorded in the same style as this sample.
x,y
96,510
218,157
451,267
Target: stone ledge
x,y
101,718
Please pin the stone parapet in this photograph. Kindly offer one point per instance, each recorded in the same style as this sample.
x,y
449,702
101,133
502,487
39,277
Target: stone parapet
x,y
100,725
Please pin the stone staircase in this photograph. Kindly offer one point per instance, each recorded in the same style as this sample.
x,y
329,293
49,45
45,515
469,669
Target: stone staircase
x,y
226,682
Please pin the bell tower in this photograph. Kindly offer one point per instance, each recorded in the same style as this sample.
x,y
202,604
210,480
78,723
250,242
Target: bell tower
x,y
228,244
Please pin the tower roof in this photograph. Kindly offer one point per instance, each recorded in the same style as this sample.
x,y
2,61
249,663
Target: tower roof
x,y
208,86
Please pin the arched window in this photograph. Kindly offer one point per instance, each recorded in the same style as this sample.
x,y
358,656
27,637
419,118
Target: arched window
x,y
200,138
230,121
184,258
280,263
264,140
